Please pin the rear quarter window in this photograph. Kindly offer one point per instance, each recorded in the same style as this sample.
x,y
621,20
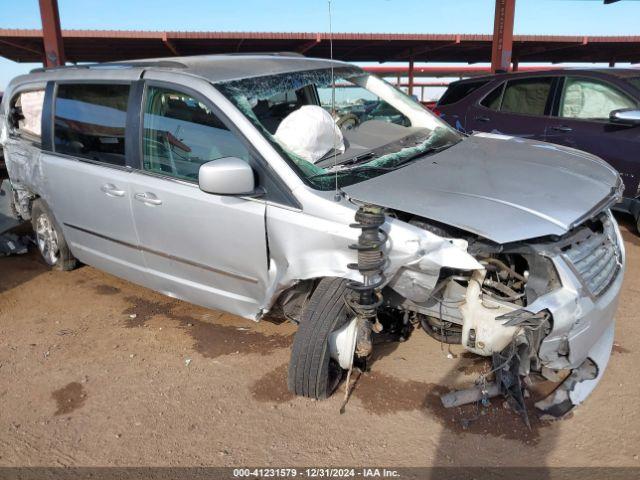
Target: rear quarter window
x,y
90,121
25,113
494,99
458,91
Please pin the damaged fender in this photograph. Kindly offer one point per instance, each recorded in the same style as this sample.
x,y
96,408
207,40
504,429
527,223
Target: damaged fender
x,y
300,251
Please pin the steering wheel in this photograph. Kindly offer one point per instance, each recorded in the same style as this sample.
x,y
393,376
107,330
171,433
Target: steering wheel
x,y
347,121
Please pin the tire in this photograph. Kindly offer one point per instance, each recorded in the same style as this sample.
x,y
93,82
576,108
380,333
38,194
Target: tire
x,y
312,373
440,331
51,243
638,223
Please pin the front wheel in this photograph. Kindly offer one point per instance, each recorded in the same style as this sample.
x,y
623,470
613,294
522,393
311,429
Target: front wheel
x,y
312,371
51,243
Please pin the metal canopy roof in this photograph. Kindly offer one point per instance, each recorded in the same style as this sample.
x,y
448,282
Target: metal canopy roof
x,y
112,45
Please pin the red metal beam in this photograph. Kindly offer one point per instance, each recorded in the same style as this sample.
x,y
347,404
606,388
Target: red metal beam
x,y
411,77
305,47
453,71
412,52
170,45
425,84
52,34
502,46
22,47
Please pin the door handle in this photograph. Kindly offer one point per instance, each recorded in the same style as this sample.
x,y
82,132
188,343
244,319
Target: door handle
x,y
483,119
111,190
148,198
562,128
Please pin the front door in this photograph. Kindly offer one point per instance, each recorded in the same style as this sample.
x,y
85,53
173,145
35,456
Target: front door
x,y
207,249
582,122
518,107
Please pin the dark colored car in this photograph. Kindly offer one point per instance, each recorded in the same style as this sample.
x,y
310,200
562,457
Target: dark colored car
x,y
595,110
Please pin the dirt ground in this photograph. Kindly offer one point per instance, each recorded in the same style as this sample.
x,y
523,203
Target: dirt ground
x,y
96,371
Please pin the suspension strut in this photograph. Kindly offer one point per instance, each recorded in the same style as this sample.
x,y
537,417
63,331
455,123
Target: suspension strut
x,y
366,297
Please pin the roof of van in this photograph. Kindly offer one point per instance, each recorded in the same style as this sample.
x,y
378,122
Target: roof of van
x,y
216,68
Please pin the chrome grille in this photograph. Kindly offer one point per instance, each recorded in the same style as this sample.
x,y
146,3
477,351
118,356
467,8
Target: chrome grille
x,y
596,257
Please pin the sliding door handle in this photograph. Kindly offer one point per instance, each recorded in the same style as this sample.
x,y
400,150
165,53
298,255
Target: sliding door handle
x,y
111,190
562,128
147,198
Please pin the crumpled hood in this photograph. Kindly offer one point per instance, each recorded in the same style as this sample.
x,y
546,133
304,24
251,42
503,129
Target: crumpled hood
x,y
502,188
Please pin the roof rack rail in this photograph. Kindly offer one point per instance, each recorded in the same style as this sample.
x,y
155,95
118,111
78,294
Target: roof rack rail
x,y
160,63
264,54
107,65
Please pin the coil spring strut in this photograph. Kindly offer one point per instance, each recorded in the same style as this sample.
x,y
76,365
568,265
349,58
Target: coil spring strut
x,y
371,262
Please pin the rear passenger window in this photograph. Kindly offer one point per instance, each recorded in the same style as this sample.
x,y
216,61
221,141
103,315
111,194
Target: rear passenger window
x,y
90,121
527,96
181,133
457,92
25,114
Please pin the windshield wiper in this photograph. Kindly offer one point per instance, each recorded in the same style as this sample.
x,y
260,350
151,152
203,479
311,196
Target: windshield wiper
x,y
358,159
360,168
404,161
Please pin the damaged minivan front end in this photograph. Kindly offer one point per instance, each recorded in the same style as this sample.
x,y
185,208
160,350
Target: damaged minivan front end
x,y
542,310
542,298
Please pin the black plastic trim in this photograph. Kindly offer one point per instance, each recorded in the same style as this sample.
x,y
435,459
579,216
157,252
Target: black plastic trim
x,y
165,255
133,128
47,120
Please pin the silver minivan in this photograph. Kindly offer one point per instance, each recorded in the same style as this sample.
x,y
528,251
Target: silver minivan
x,y
311,191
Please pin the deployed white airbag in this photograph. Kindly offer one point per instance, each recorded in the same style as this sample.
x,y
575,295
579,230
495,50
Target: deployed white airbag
x,y
588,99
310,133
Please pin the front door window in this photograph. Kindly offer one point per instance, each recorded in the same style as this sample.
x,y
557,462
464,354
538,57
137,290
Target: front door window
x,y
590,99
181,133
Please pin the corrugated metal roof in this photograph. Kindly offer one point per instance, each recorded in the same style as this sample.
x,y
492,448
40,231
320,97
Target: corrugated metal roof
x,y
112,45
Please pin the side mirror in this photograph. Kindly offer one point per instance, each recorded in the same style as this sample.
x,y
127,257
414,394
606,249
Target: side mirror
x,y
625,116
227,176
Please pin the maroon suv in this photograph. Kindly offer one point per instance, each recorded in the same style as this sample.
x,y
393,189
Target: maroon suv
x,y
595,110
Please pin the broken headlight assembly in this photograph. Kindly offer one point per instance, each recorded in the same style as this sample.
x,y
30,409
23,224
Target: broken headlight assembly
x,y
485,310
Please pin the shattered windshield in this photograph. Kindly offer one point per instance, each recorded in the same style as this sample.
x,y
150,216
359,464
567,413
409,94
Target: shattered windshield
x,y
339,132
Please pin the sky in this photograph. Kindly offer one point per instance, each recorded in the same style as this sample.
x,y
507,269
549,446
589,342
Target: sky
x,y
534,17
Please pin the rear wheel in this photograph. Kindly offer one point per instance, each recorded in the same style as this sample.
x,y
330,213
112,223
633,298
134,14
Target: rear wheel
x,y
49,239
312,371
